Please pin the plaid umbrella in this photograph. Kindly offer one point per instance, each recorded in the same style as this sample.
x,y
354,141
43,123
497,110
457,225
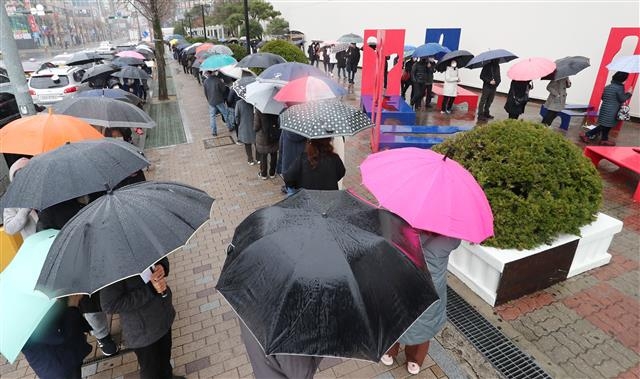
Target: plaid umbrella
x,y
321,119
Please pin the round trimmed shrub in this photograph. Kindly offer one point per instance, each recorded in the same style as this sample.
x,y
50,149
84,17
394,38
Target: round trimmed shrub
x,y
239,52
286,50
539,184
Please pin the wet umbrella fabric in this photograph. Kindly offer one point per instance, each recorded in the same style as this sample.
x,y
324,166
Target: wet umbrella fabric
x,y
130,54
112,93
351,38
629,64
285,72
240,86
120,235
430,49
482,59
340,47
409,50
83,58
531,68
106,112
130,72
261,95
310,88
567,67
331,279
101,70
127,61
462,57
217,61
260,60
321,119
72,170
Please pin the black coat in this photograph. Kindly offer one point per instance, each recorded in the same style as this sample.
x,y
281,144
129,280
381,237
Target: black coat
x,y
613,97
214,90
341,57
353,58
490,71
58,347
57,215
517,97
325,176
262,123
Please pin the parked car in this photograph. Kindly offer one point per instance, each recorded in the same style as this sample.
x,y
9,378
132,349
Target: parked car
x,y
8,108
105,48
51,85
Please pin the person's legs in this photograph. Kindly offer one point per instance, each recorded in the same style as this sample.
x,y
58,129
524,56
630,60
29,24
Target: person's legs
x,y
429,90
483,100
154,360
273,161
212,120
452,99
263,165
605,134
592,134
443,107
222,109
416,354
248,149
99,324
549,117
490,96
417,93
394,350
231,117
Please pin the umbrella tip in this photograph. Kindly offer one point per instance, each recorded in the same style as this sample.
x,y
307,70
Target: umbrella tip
x,y
448,154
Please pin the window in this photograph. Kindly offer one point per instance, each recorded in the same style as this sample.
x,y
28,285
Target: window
x,y
44,82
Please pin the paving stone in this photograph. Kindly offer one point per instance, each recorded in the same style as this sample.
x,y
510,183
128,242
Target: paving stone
x,y
210,305
197,365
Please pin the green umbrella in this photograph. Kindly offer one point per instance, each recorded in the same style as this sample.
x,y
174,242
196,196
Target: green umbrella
x,y
217,61
22,307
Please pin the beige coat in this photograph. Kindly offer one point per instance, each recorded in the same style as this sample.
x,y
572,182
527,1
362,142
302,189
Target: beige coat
x,y
557,94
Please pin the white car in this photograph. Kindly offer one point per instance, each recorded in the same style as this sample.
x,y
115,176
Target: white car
x,y
105,48
51,85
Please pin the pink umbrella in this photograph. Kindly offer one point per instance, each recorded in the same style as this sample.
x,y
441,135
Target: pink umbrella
x,y
531,68
310,88
430,191
131,54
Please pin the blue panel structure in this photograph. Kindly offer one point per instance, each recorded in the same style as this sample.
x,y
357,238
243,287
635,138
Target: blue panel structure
x,y
396,108
448,37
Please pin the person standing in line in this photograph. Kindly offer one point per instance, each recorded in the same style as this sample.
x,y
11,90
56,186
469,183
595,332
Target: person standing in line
x,y
325,58
353,59
19,220
332,60
341,58
419,80
311,52
517,98
450,87
613,97
490,76
556,100
244,127
291,146
215,93
267,129
436,249
318,168
231,101
406,76
431,68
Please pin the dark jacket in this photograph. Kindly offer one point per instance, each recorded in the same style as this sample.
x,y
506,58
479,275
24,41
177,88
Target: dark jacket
x,y
490,71
214,90
145,315
517,97
232,99
57,215
244,121
353,58
613,97
291,146
341,57
262,123
422,72
57,348
325,176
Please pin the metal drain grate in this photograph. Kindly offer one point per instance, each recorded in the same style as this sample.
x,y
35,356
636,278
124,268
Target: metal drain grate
x,y
210,143
506,357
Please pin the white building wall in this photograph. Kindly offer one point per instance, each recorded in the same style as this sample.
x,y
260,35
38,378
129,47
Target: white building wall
x,y
546,28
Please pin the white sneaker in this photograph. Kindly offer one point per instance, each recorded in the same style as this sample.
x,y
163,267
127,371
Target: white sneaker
x,y
387,360
413,368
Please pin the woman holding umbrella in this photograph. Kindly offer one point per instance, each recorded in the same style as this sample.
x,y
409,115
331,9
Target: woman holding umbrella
x,y
450,87
318,168
517,98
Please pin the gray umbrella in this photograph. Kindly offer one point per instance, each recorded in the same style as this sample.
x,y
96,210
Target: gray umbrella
x,y
83,58
350,38
462,57
130,72
101,70
483,58
120,235
568,66
260,60
103,111
72,170
321,119
127,61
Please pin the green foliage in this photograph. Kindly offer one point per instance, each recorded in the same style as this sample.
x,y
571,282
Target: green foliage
x,y
239,52
539,184
178,29
255,30
196,39
286,50
231,15
278,26
260,10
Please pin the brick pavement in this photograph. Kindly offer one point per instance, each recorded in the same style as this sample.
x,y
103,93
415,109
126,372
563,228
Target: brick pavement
x,y
585,327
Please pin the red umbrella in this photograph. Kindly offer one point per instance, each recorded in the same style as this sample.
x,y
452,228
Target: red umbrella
x,y
531,68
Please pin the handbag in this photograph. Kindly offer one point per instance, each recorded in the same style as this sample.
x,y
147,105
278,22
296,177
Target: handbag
x,y
405,76
520,100
623,113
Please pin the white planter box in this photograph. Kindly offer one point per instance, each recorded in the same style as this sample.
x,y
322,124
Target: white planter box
x,y
491,273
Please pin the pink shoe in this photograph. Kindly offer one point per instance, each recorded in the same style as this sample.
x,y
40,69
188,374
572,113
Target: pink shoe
x,y
387,360
413,368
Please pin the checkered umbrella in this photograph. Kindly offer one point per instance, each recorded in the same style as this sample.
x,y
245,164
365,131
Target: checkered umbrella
x,y
322,119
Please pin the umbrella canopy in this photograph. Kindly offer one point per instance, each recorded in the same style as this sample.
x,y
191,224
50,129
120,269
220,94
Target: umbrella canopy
x,y
321,119
173,41
286,72
261,95
310,88
567,67
340,47
145,47
34,135
73,170
127,61
193,47
629,64
103,111
112,93
83,58
260,60
328,42
130,54
321,274
351,38
430,49
220,49
240,85
98,71
22,307
430,192
130,72
203,47
531,68
483,58
217,61
120,235
409,50
462,57
235,72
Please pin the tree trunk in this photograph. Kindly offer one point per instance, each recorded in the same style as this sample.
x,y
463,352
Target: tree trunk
x,y
160,63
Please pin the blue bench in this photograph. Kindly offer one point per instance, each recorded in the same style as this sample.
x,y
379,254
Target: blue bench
x,y
569,111
423,129
397,136
397,109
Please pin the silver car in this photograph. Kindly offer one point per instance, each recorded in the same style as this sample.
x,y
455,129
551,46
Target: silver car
x,y
51,85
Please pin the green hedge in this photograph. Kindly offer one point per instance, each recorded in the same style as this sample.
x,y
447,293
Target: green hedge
x,y
286,50
239,52
539,184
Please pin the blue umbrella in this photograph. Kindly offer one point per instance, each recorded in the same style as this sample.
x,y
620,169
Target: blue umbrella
x,y
430,49
286,72
22,307
483,58
217,61
409,50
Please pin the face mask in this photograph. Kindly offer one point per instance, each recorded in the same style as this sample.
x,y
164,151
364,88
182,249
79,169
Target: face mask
x,y
454,64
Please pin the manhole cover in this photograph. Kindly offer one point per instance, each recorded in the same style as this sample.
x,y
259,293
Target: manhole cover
x,y
210,143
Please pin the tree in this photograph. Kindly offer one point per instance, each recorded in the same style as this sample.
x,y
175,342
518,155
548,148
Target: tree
x,y
255,30
232,23
278,26
260,10
156,11
178,29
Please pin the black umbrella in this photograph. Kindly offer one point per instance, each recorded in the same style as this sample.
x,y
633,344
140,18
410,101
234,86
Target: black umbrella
x,y
321,119
103,111
112,93
501,55
321,274
127,61
462,57
99,71
260,60
72,170
120,235
130,72
83,58
568,66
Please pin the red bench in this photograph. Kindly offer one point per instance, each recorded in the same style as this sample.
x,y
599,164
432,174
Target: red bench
x,y
464,96
627,157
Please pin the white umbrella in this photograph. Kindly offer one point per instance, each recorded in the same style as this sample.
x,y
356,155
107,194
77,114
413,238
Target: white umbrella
x,y
260,95
235,72
629,64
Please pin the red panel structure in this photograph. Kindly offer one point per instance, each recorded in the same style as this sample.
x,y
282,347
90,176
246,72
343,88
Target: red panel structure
x,y
393,44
